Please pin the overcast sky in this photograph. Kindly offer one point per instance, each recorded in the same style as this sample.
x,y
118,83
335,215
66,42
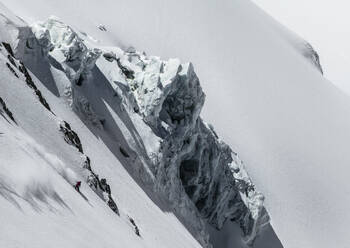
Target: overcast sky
x,y
326,25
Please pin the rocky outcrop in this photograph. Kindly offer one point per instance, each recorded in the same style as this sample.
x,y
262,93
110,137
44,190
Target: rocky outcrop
x,y
12,70
67,48
21,68
31,84
199,174
6,110
99,186
136,229
8,48
71,137
63,44
192,163
310,53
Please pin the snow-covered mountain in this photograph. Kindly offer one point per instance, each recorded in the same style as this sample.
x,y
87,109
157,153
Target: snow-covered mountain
x,y
139,113
79,103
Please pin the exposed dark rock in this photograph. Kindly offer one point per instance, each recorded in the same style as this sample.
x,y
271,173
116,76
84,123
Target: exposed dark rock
x,y
102,27
12,70
26,74
102,121
70,136
109,56
42,100
87,164
80,80
123,152
127,72
7,111
8,48
137,231
99,186
31,84
92,181
104,186
111,203
310,53
12,61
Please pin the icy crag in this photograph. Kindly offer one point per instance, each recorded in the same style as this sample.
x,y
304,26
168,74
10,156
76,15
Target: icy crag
x,y
199,174
192,160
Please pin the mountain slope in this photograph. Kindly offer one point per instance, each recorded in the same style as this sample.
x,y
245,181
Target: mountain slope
x,y
39,206
264,96
124,116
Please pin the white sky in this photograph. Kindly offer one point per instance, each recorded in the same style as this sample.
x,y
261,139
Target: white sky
x,y
326,25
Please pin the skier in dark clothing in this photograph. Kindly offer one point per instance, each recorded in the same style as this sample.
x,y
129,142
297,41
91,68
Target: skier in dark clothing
x,y
77,186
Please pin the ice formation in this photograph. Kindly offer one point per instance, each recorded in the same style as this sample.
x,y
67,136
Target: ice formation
x,y
173,149
192,162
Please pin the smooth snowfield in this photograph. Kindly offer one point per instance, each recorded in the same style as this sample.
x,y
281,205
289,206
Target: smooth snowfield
x,y
289,124
325,27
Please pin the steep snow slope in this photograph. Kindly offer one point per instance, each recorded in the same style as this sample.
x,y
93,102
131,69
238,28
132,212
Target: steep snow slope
x,y
145,111
269,103
39,207
324,27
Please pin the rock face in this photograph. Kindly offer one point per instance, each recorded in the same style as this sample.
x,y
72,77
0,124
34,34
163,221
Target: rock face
x,y
192,162
201,176
70,136
6,110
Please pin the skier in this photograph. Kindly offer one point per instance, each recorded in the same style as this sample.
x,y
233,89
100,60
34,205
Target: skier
x,y
77,186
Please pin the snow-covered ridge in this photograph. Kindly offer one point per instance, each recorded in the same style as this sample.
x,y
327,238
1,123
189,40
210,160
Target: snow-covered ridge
x,y
157,104
189,161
